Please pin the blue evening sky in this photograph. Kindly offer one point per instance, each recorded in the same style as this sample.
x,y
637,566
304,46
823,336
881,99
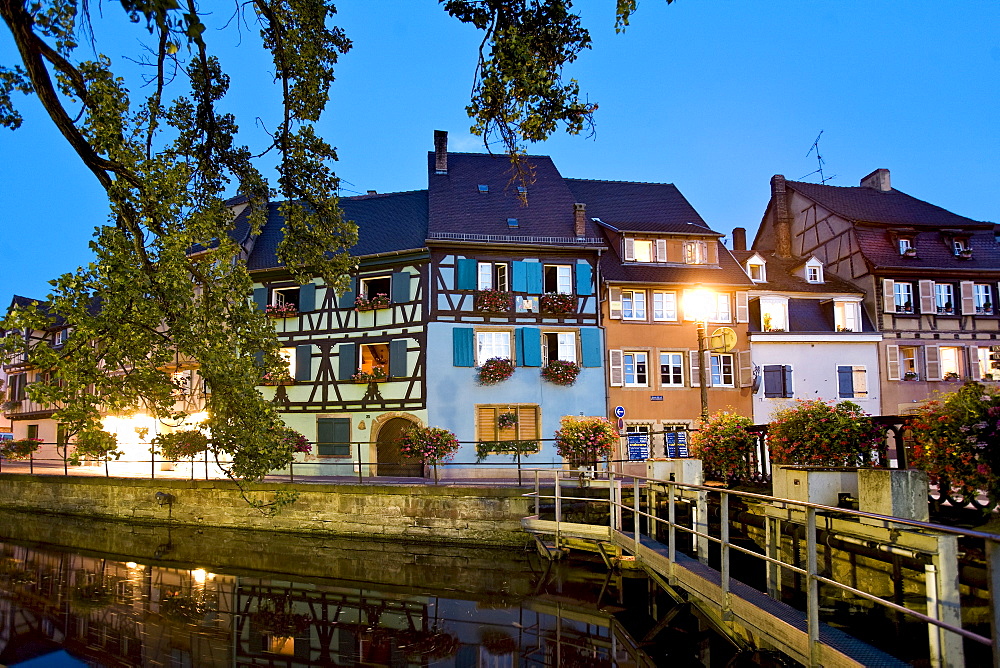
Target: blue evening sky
x,y
712,96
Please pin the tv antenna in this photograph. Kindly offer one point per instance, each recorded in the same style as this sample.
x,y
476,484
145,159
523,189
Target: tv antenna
x,y
819,159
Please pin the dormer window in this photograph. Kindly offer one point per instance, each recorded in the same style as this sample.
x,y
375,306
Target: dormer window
x,y
642,250
906,247
756,272
847,315
695,252
645,250
961,247
774,314
813,271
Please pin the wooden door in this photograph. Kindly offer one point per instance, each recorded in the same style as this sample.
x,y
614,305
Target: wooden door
x,y
390,462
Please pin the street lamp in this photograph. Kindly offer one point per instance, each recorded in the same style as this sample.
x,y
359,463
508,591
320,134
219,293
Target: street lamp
x,y
699,304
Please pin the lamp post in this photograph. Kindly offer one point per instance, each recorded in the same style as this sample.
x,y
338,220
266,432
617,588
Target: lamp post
x,y
699,304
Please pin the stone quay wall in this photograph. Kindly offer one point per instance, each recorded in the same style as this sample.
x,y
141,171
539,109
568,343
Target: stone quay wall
x,y
466,515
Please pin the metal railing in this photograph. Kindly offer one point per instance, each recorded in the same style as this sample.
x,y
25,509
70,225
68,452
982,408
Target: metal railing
x,y
942,605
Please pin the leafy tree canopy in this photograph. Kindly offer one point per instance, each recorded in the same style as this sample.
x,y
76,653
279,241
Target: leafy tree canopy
x,y
167,287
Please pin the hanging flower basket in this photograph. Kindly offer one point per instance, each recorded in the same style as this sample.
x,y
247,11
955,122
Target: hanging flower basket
x,y
362,303
560,372
495,370
557,303
281,311
496,301
376,375
21,448
507,420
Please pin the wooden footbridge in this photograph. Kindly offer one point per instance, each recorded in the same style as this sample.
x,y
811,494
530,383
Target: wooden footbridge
x,y
642,530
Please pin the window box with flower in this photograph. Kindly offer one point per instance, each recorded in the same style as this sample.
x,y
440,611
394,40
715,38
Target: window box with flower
x,y
910,252
964,254
952,376
911,375
376,375
281,311
278,378
494,301
495,370
557,303
561,372
365,303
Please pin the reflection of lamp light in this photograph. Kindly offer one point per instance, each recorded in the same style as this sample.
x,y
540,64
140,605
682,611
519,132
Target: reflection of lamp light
x,y
199,575
699,305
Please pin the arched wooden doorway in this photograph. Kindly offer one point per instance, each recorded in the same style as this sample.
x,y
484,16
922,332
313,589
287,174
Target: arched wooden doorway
x,y
390,462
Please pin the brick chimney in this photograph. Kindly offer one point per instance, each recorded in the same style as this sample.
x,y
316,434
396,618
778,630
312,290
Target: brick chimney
x,y
441,151
580,219
879,180
782,220
739,238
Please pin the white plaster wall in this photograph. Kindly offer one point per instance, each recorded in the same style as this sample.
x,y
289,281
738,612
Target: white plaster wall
x,y
814,372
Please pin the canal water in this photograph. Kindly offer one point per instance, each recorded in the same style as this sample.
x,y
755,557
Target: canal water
x,y
77,592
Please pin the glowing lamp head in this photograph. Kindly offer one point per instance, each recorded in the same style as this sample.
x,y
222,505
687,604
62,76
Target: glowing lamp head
x,y
699,304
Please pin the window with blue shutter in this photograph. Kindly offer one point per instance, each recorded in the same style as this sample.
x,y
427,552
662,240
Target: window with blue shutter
x,y
463,346
307,297
260,298
518,276
397,358
534,277
529,346
333,437
303,362
348,297
400,287
845,382
583,279
590,347
347,354
465,274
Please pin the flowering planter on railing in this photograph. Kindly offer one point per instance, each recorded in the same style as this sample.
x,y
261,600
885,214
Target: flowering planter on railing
x,y
496,301
557,303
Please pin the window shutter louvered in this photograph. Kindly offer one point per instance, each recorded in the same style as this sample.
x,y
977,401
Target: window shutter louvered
x,y
742,307
746,368
527,423
973,361
629,249
615,303
926,289
932,362
260,298
486,423
465,274
533,271
400,287
590,345
518,276
888,295
712,256
892,362
772,380
583,279
303,362
347,356
845,382
346,299
463,341
397,358
661,250
675,251
695,368
968,301
530,349
307,297
615,371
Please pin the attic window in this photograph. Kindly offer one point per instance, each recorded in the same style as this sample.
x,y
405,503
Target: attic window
x,y
814,274
521,190
906,246
483,188
757,273
512,222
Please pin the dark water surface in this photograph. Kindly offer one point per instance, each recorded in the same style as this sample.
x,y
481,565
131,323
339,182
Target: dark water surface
x,y
76,592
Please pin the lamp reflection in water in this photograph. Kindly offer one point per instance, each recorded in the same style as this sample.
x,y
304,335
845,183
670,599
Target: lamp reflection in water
x,y
700,304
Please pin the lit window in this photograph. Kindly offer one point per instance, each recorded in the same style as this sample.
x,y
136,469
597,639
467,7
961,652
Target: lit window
x,y
558,346
903,297
723,308
642,250
847,316
982,294
986,370
722,370
672,369
908,362
772,315
633,304
288,355
559,278
492,344
664,305
944,296
757,273
374,359
950,357
634,368
695,252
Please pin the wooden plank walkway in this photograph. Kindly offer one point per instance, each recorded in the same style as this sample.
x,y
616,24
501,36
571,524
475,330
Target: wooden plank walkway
x,y
777,623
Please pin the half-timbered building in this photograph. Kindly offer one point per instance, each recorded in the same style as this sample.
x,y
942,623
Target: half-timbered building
x,y
929,276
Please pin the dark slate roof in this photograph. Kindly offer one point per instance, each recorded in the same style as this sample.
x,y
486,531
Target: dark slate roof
x,y
863,204
638,207
780,276
456,206
728,272
933,250
807,315
386,223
